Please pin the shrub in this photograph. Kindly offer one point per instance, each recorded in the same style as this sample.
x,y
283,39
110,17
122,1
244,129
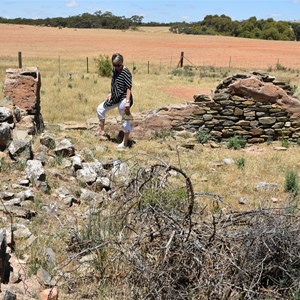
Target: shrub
x,y
104,66
240,162
164,134
202,137
236,143
291,182
285,143
186,71
280,67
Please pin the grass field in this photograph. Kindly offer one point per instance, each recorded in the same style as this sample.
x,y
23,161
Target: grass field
x,y
66,56
70,93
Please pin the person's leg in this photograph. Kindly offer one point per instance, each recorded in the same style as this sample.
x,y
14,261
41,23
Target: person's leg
x,y
126,139
101,116
126,124
101,110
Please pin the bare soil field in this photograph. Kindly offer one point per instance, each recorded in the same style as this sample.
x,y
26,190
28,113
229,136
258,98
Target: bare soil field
x,y
154,45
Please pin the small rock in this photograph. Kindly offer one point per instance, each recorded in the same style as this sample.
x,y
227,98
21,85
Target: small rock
x,y
50,294
242,201
9,295
228,161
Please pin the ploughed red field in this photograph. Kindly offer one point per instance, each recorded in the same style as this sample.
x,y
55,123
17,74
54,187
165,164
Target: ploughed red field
x,y
153,45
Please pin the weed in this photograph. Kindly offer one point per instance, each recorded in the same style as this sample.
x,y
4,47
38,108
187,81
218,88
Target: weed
x,y
236,143
296,295
167,200
186,71
240,162
164,134
202,137
82,97
57,160
285,143
291,182
280,67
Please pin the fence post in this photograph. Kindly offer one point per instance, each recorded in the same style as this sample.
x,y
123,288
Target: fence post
x,y
87,65
181,59
148,67
20,59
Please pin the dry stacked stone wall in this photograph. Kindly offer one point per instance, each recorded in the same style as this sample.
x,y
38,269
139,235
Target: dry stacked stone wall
x,y
20,110
253,106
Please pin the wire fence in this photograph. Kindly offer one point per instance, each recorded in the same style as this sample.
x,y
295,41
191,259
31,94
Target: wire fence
x,y
62,65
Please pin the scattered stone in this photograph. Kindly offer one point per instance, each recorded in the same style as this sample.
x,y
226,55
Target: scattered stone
x,y
20,150
242,201
9,295
5,135
6,115
228,161
44,276
47,140
50,294
280,148
65,148
266,186
35,171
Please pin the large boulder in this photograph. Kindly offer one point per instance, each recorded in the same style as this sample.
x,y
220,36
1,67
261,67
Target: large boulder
x,y
265,92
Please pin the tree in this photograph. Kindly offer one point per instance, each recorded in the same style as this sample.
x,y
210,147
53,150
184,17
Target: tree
x,y
137,20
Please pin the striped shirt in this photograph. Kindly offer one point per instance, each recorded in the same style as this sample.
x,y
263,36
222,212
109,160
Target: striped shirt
x,y
120,82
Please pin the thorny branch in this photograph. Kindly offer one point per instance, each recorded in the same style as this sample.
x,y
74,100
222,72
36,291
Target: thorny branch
x,y
157,242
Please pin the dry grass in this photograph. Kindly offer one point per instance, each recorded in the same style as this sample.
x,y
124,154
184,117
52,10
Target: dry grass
x,y
61,55
69,93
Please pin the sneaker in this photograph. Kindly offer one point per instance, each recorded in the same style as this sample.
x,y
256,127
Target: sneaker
x,y
121,146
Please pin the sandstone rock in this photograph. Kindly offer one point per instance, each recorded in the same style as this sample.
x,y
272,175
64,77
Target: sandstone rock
x,y
266,92
49,294
22,86
27,123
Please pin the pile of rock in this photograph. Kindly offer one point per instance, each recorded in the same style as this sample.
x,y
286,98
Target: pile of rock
x,y
81,183
20,111
254,106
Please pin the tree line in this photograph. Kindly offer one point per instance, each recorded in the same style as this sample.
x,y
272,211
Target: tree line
x,y
211,25
251,28
86,20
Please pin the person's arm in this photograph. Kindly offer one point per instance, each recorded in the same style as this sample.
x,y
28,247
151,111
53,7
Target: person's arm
x,y
128,94
127,105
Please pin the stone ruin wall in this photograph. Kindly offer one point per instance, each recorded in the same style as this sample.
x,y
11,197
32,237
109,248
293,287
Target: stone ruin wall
x,y
20,111
254,106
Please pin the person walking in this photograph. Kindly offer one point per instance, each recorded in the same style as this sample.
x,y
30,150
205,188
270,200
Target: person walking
x,y
120,96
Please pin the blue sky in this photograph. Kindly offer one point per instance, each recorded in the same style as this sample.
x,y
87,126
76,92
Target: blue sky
x,y
155,10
